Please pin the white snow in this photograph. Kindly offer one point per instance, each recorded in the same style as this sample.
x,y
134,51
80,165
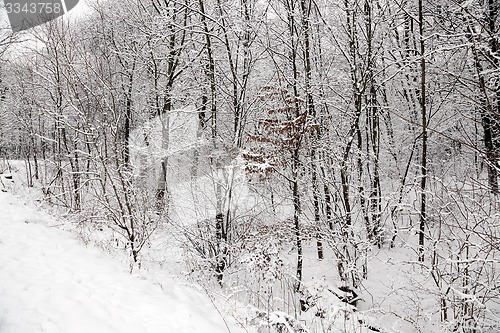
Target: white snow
x,y
51,282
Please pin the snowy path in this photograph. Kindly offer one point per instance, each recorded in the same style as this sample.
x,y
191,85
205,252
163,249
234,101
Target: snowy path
x,y
50,282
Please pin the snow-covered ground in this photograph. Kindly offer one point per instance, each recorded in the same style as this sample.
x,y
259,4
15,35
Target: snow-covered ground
x,y
51,282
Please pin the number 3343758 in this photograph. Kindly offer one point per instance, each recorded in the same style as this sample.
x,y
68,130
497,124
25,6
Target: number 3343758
x,y
33,8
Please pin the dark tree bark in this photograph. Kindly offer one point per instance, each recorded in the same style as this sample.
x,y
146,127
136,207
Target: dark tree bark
x,y
423,160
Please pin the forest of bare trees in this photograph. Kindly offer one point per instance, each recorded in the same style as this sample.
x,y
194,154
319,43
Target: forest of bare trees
x,y
288,145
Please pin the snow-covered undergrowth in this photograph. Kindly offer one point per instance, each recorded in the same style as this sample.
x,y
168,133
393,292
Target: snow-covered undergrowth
x,y
399,294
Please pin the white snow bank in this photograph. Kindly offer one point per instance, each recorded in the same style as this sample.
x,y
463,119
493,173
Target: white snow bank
x,y
49,282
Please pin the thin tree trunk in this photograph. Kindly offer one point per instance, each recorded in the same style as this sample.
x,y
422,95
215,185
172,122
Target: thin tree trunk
x,y
296,214
423,161
290,6
221,234
306,31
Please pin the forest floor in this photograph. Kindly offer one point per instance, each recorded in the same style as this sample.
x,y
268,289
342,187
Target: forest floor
x,y
52,282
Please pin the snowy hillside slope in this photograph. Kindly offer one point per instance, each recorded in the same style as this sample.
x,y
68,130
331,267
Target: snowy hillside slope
x,y
50,282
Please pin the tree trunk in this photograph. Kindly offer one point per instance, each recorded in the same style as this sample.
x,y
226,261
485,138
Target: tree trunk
x,y
423,161
296,215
